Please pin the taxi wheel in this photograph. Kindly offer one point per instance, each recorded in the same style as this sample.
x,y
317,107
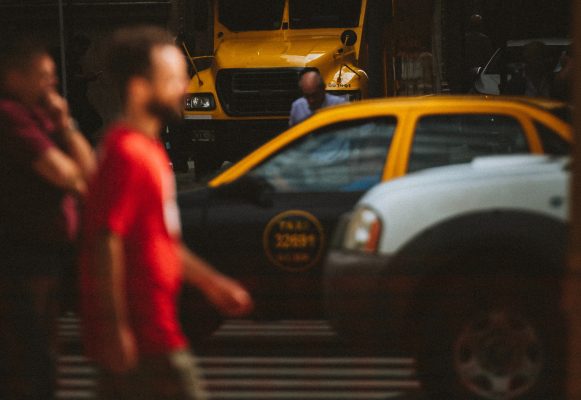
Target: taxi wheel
x,y
198,318
494,342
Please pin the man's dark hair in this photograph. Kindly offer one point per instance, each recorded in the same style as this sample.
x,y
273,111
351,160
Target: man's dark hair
x,y
308,69
17,51
130,53
312,69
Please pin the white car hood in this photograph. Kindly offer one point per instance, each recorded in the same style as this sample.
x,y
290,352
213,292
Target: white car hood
x,y
423,199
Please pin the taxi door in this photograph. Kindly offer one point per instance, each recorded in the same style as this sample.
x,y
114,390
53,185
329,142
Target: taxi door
x,y
271,227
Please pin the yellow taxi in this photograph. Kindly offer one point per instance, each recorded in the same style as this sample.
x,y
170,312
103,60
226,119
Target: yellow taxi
x,y
267,219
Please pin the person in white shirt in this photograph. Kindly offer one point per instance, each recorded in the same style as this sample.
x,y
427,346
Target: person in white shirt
x,y
314,97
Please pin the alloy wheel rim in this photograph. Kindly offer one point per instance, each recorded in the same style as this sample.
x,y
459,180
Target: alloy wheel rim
x,y
498,356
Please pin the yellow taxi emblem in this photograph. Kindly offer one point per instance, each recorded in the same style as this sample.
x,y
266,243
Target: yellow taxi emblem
x,y
294,240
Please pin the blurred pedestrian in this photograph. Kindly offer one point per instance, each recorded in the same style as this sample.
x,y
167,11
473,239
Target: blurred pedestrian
x,y
477,50
534,77
133,261
314,97
562,82
84,112
538,70
45,164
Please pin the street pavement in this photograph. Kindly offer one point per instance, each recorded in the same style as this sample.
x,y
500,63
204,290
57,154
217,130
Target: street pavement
x,y
256,360
253,360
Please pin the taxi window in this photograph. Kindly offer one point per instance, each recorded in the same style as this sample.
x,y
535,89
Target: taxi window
x,y
344,157
552,142
459,138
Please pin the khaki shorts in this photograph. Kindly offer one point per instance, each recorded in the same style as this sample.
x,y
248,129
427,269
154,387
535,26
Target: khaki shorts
x,y
174,376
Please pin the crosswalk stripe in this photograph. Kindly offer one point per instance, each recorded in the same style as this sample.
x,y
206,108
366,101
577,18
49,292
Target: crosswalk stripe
x,y
75,394
326,372
263,377
73,359
78,383
241,328
294,395
308,360
223,334
311,384
76,369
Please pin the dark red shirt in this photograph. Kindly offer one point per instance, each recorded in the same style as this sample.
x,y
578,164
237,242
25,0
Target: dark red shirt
x,y
133,196
32,210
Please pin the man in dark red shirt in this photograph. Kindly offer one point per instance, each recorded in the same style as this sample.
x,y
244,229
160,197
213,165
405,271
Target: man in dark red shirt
x,y
133,260
44,166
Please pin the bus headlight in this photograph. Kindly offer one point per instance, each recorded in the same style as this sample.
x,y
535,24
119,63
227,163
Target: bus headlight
x,y
200,102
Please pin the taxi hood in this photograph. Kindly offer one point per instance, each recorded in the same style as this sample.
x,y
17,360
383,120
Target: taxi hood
x,y
260,53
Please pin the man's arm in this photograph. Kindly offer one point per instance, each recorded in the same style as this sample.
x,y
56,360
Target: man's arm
x,y
69,169
227,295
119,351
61,170
292,120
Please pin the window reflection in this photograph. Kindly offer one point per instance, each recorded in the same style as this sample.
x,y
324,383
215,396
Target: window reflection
x,y
343,157
453,139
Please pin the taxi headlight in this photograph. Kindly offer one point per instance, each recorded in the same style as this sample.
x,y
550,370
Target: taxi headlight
x,y
363,231
200,102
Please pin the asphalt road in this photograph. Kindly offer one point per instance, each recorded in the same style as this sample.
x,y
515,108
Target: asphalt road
x,y
281,360
254,360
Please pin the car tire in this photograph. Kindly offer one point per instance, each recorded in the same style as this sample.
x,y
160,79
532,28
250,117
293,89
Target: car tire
x,y
198,318
491,336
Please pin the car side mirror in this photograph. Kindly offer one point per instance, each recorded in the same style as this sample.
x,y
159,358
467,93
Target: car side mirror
x,y
249,188
476,71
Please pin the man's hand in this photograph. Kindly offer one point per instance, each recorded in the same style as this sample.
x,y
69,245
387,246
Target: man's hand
x,y
71,167
229,297
119,350
58,109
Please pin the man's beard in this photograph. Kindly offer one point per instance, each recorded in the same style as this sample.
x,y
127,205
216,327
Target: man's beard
x,y
167,114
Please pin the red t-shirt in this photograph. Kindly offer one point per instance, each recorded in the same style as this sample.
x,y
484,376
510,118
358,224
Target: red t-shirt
x,y
133,196
33,212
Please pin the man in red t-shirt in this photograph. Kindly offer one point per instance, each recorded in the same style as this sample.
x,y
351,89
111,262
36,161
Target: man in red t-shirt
x,y
133,260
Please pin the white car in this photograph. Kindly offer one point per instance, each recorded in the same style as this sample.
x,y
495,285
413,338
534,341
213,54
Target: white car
x,y
510,58
460,266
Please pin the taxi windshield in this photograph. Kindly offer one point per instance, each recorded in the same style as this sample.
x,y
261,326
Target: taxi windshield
x,y
309,14
345,157
256,15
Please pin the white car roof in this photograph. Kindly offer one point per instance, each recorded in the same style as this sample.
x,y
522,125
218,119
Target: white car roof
x,y
488,167
421,200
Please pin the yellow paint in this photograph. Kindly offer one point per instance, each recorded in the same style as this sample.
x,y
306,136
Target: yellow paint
x,y
407,111
283,48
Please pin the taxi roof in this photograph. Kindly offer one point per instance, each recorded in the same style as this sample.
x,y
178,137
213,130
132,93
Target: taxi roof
x,y
395,105
413,101
405,102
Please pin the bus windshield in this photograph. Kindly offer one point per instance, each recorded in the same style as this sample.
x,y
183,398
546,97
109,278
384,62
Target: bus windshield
x,y
256,15
309,14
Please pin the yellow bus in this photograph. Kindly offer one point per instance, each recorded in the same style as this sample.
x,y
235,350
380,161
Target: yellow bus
x,y
240,96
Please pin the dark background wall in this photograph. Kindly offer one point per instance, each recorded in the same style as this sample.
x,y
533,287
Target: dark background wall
x,y
91,19
502,20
